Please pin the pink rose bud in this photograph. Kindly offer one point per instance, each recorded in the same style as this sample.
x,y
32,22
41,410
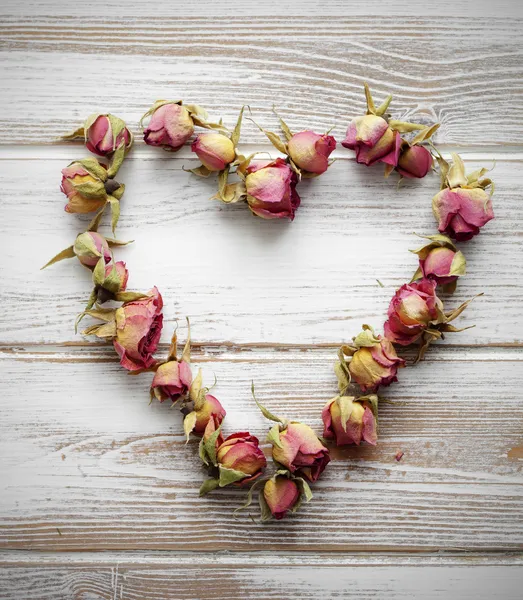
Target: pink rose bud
x,y
90,246
373,361
411,311
281,495
105,133
172,380
461,212
414,162
215,150
463,206
210,410
310,151
138,330
170,126
271,190
440,261
84,187
240,459
373,140
121,272
300,451
350,420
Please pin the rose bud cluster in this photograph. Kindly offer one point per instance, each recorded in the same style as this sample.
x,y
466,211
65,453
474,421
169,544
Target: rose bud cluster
x,y
370,361
172,123
135,329
417,314
462,206
440,261
377,138
103,134
349,420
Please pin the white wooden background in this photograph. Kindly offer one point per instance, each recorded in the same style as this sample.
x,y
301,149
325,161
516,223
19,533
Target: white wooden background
x,y
88,466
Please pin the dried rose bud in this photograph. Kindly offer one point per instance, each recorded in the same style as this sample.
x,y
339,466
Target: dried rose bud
x,y
271,190
104,133
350,420
240,459
414,162
463,206
138,330
411,310
310,151
171,123
83,182
440,261
171,380
215,150
373,140
90,246
297,448
281,495
121,273
372,361
211,409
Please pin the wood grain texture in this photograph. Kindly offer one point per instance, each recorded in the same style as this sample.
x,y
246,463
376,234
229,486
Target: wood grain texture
x,y
92,471
468,76
260,576
244,280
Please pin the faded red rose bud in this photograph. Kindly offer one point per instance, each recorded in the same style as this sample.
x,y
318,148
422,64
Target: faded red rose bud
x,y
282,495
211,409
349,420
310,151
138,329
104,133
372,140
90,246
271,190
171,123
122,274
440,261
84,186
172,380
463,206
411,310
215,150
372,361
240,459
170,126
297,448
414,162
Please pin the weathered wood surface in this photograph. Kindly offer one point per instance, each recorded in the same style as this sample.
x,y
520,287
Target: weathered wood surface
x,y
87,465
260,576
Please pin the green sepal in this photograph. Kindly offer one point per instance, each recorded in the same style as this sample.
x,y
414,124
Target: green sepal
x,y
273,436
74,135
94,167
235,137
95,222
424,134
285,128
228,476
186,354
208,451
267,414
366,338
266,514
116,160
129,296
405,127
346,405
456,174
67,253
201,171
208,486
115,212
188,424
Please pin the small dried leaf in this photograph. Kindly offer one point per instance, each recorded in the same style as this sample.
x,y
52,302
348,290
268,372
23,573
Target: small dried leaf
x,y
67,253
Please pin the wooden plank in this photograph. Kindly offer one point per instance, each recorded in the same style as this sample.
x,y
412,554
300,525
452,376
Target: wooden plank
x,y
88,465
465,73
244,280
131,576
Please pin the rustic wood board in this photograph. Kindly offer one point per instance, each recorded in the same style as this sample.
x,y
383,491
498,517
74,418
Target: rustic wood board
x,y
86,465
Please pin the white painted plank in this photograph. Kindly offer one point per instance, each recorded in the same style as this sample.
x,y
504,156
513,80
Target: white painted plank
x,y
244,280
464,72
88,464
132,576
